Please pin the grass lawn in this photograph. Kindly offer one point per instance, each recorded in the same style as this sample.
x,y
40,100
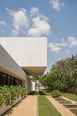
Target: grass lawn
x,y
45,92
45,107
74,111
70,96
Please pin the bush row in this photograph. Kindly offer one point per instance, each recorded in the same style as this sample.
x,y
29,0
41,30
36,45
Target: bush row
x,y
8,94
56,93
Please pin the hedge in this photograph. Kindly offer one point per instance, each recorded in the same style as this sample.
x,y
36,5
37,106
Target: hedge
x,y
8,94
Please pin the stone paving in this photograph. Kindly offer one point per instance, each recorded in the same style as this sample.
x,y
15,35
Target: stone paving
x,y
26,107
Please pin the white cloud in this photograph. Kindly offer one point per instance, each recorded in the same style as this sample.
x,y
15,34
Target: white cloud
x,y
61,44
54,48
2,23
14,33
20,21
40,24
72,41
39,27
56,4
34,10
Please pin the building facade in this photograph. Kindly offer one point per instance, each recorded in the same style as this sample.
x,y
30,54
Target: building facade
x,y
21,57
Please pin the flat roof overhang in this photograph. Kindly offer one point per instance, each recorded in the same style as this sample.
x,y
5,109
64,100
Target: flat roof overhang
x,y
34,71
5,71
9,66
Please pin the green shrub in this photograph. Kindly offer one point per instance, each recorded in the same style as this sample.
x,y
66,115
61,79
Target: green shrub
x,y
8,94
5,95
56,93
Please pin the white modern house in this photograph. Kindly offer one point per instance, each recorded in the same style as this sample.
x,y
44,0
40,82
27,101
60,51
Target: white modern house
x,y
21,57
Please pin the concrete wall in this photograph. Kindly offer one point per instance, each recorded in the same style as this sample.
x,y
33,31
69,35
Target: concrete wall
x,y
26,51
29,85
9,66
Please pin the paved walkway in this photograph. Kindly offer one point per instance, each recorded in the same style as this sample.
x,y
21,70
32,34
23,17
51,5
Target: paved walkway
x,y
37,92
63,110
26,107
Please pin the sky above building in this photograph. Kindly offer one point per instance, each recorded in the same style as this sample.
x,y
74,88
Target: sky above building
x,y
54,19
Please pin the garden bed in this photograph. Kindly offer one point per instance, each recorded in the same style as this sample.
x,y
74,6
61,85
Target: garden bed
x,y
9,96
68,104
4,108
63,101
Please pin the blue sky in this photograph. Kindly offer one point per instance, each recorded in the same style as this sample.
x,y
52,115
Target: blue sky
x,y
54,19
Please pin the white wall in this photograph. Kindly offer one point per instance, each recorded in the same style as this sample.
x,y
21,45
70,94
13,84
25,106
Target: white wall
x,y
26,51
28,85
9,66
33,86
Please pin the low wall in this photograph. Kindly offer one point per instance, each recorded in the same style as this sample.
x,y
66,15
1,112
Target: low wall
x,y
4,108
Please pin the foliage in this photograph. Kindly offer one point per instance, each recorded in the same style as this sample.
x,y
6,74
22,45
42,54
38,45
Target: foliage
x,y
35,78
5,95
42,79
62,75
45,108
8,94
56,93
67,70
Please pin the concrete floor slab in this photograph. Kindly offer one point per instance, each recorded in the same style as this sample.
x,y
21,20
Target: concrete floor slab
x,y
26,107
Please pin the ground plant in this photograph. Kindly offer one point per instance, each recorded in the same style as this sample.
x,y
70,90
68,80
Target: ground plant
x,y
65,101
8,94
56,93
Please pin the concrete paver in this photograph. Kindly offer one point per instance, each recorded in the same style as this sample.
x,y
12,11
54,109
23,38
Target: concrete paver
x,y
26,107
63,110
